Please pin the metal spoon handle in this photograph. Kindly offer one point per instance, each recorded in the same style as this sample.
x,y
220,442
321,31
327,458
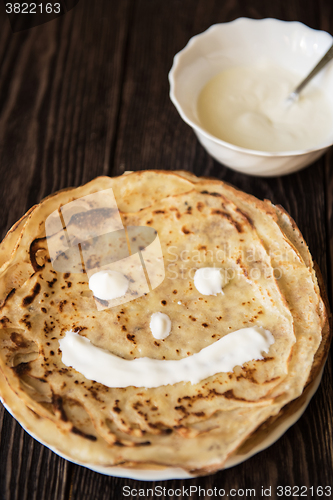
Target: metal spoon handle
x,y
323,61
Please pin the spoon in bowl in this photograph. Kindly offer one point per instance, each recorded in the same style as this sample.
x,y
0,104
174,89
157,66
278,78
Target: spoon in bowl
x,y
293,96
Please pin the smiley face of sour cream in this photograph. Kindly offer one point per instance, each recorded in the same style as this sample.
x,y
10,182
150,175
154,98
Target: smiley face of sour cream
x,y
100,365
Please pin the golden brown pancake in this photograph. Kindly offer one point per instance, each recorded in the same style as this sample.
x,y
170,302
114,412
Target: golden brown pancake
x,y
270,282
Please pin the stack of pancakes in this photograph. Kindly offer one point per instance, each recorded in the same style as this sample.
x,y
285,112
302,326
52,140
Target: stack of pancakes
x,y
270,282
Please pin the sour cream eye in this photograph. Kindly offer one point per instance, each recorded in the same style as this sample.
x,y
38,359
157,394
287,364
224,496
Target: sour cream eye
x,y
108,284
208,281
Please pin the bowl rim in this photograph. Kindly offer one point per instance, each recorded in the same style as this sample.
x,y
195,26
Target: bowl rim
x,y
201,131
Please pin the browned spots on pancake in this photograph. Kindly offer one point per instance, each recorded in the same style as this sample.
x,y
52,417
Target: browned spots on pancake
x,y
230,395
205,325
235,223
137,405
199,395
248,374
118,443
30,298
48,328
61,305
212,194
211,393
77,431
78,329
243,214
200,206
243,268
157,344
271,380
18,339
94,394
202,247
174,209
10,294
186,230
189,210
182,409
200,414
158,211
25,321
66,276
4,321
131,338
124,329
116,407
21,369
149,222
217,211
37,244
51,283
175,291
164,302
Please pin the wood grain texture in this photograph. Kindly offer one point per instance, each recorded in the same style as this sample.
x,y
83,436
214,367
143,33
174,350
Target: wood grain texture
x,y
87,95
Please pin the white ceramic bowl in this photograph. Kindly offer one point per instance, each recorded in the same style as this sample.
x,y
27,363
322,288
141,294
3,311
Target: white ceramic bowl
x,y
290,45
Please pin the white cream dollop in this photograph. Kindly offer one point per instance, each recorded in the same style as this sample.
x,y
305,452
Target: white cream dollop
x,y
160,325
108,284
234,349
208,280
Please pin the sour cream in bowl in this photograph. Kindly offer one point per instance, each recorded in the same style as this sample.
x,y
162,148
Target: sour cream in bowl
x,y
230,85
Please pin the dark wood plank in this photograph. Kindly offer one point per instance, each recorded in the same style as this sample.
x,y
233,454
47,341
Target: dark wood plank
x,y
329,218
59,102
27,469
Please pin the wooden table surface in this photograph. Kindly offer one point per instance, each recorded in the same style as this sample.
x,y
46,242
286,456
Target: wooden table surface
x,y
86,95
